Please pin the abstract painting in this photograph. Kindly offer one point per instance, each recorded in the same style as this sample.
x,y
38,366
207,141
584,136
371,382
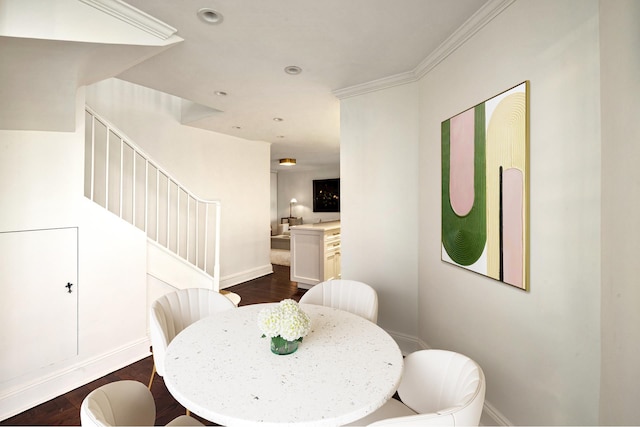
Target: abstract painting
x,y
485,188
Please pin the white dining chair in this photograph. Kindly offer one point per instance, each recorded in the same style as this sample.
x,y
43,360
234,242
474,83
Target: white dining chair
x,y
173,312
235,298
124,403
349,295
438,388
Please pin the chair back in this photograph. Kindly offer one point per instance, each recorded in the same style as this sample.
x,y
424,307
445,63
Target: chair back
x,y
445,383
121,403
348,295
173,312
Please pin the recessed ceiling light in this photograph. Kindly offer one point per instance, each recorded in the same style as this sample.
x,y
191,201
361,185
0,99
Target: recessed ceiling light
x,y
280,136
278,119
236,127
220,93
292,69
210,16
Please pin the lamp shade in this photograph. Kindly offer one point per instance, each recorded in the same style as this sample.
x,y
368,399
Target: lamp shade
x,y
287,162
291,203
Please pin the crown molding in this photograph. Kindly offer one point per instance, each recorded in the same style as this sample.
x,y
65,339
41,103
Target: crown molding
x,y
132,16
482,17
383,83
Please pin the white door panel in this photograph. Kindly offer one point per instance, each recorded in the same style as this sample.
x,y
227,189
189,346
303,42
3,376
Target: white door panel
x,y
38,314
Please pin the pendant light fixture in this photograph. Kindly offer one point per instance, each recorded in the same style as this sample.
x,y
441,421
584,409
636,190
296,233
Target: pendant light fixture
x,y
287,162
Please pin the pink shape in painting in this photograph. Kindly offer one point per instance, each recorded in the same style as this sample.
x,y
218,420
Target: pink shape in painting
x,y
461,192
512,226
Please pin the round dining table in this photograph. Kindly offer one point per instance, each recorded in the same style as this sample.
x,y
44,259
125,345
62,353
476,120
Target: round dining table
x,y
222,369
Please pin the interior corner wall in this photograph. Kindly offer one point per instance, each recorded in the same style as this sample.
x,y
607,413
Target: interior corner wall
x,y
211,165
620,87
299,185
379,201
540,350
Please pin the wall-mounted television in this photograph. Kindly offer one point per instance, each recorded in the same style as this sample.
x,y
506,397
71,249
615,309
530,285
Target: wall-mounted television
x,y
326,195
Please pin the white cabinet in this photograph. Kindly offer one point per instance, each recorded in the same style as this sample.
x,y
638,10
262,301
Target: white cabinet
x,y
315,253
38,299
331,254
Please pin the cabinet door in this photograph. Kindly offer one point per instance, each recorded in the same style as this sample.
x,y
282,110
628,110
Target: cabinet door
x,y
307,257
330,266
38,314
332,256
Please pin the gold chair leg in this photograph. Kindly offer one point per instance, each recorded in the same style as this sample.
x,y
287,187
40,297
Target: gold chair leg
x,y
153,373
188,413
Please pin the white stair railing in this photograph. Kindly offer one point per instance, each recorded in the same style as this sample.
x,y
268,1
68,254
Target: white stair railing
x,y
120,177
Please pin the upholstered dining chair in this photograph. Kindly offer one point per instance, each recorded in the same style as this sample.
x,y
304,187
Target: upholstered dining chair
x,y
173,312
124,403
348,295
438,387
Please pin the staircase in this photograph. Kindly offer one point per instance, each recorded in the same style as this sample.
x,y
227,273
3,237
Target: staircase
x,y
120,177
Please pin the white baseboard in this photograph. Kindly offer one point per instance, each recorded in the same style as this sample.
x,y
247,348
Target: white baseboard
x,y
492,417
408,344
46,387
245,276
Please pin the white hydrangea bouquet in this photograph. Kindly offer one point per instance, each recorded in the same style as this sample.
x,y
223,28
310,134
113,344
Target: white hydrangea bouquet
x,y
286,324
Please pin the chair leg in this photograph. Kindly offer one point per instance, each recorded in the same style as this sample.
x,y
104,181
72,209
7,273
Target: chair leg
x,y
188,413
153,373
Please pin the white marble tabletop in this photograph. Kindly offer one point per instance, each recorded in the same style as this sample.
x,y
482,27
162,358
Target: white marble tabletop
x,y
221,369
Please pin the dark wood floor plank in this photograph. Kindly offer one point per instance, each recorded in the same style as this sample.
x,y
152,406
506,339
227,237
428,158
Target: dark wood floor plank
x,y
65,409
270,288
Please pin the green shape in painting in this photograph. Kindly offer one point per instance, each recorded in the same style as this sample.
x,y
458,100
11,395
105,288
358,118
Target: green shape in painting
x,y
464,237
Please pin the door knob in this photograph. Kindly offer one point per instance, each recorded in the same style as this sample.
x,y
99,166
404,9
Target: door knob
x,y
68,286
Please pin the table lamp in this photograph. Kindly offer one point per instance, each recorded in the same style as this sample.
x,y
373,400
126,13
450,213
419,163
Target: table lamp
x,y
291,203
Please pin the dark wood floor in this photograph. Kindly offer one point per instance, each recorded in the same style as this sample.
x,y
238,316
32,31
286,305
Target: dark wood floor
x,y
65,409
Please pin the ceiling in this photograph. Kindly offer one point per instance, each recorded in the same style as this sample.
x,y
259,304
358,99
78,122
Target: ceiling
x,y
338,44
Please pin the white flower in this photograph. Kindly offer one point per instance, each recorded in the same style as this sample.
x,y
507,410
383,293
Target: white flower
x,y
286,320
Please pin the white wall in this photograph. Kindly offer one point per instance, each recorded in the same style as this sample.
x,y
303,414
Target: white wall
x,y
299,185
379,190
540,350
211,165
620,68
41,186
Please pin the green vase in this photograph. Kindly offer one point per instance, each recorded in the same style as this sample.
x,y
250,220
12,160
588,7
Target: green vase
x,y
281,346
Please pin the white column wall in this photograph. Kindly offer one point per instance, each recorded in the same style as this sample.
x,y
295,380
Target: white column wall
x,y
379,192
